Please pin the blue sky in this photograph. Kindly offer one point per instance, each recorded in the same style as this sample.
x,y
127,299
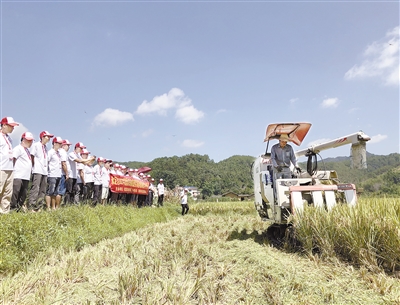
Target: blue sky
x,y
135,81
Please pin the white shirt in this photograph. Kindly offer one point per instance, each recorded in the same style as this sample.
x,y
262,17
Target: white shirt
x,y
183,198
23,163
39,151
64,158
88,173
6,153
105,178
79,166
54,160
97,174
160,188
71,157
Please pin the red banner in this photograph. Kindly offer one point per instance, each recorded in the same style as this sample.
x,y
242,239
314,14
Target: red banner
x,y
128,185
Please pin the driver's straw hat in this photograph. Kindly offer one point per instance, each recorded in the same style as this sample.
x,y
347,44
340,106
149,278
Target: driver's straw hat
x,y
284,137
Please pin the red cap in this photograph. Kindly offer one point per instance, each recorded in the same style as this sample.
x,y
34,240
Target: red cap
x,y
80,145
66,142
57,140
101,159
45,133
27,135
85,152
109,160
8,121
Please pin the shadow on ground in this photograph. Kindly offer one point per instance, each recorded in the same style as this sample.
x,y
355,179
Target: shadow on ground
x,y
244,235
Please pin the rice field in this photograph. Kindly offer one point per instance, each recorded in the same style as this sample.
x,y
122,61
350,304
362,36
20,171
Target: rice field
x,y
217,254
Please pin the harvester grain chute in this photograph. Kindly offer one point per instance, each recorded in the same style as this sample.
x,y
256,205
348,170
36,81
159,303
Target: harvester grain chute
x,y
277,199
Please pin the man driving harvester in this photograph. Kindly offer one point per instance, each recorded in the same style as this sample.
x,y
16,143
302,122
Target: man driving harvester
x,y
281,156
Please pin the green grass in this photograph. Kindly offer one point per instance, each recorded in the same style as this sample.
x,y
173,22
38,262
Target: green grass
x,y
25,235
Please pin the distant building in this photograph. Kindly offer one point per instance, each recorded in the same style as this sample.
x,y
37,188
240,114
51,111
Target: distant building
x,y
239,197
194,192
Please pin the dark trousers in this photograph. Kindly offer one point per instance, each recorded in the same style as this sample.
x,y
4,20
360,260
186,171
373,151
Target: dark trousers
x,y
185,209
141,200
20,190
71,189
38,189
88,191
160,200
97,193
149,199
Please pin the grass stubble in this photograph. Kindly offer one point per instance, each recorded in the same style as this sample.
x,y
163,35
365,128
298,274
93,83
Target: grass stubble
x,y
215,255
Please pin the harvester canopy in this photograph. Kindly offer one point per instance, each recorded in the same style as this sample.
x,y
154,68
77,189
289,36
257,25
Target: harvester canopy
x,y
295,131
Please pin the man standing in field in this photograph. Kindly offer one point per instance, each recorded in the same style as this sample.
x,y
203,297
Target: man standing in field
x,y
53,198
184,201
65,168
6,164
75,162
22,171
98,172
39,171
160,193
105,179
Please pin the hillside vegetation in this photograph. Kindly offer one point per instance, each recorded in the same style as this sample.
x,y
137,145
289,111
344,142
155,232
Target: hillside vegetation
x,y
382,177
232,174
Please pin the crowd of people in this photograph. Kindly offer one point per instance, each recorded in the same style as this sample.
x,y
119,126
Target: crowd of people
x,y
60,176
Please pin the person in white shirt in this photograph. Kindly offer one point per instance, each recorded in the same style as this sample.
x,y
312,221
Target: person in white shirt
x,y
88,181
160,193
98,172
6,164
152,192
105,179
53,198
75,162
184,201
39,171
66,169
22,171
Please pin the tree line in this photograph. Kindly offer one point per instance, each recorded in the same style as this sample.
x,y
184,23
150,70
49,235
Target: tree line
x,y
382,177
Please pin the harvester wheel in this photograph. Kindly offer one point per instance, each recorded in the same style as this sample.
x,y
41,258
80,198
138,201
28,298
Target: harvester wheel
x,y
282,235
276,234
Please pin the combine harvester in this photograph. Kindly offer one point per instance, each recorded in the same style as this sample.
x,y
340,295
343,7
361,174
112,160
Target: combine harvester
x,y
276,200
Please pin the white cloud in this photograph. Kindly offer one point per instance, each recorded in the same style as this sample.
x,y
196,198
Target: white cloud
x,y
189,114
174,99
351,110
192,143
381,60
146,133
112,117
221,111
293,100
376,139
330,103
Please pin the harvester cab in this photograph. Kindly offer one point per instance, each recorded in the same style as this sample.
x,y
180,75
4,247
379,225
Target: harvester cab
x,y
277,199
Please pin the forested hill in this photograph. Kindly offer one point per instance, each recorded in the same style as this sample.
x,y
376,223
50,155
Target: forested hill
x,y
233,174
213,178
